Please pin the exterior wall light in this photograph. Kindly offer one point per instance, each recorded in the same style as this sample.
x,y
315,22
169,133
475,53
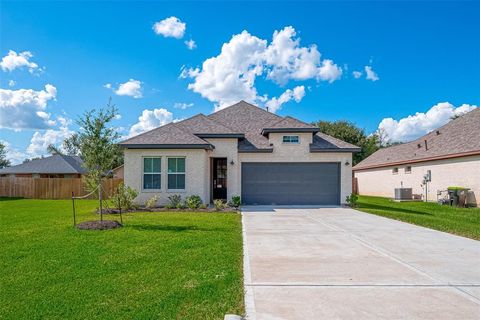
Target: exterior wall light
x,y
232,163
347,163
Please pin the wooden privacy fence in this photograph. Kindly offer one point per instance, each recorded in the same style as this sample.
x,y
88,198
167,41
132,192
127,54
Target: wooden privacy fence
x,y
49,188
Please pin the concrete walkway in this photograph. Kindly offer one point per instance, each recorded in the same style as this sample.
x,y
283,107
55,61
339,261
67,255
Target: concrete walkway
x,y
337,263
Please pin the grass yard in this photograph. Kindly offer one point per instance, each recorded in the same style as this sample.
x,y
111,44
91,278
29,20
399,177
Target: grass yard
x,y
159,266
460,221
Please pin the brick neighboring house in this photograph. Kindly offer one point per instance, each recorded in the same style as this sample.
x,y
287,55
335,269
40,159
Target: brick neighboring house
x,y
240,150
55,166
451,153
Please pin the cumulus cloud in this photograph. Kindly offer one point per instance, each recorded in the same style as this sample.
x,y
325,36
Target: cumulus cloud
x,y
151,119
296,94
230,76
131,88
371,75
42,139
14,60
170,27
182,105
13,154
11,83
190,44
25,108
414,126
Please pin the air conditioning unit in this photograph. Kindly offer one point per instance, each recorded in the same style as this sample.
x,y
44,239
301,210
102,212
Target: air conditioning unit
x,y
403,194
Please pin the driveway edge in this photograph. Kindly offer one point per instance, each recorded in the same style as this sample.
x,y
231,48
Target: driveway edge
x,y
247,279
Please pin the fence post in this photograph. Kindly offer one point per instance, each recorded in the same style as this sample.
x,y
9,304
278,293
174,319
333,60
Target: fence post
x,y
73,206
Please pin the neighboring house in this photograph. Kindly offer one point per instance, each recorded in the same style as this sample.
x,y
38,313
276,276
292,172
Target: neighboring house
x,y
240,150
118,172
55,166
451,153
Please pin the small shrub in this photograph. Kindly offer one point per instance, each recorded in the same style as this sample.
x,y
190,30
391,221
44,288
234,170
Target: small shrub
x,y
152,202
169,206
123,197
203,206
180,205
174,200
235,202
193,202
219,204
352,200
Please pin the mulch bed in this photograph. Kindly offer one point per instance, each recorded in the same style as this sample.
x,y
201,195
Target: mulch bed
x,y
99,225
163,209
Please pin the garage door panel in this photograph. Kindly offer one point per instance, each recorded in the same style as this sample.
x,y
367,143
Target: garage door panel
x,y
291,183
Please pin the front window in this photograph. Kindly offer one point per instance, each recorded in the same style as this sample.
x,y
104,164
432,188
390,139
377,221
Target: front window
x,y
176,173
290,139
395,170
408,169
152,173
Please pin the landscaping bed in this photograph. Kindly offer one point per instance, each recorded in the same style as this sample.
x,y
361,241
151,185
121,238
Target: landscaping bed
x,y
159,265
461,221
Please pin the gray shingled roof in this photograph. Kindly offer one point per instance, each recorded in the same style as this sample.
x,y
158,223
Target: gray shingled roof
x,y
241,118
457,137
56,164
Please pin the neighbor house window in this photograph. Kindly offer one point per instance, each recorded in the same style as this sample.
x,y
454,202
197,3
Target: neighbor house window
x,y
395,170
290,139
176,173
408,169
152,173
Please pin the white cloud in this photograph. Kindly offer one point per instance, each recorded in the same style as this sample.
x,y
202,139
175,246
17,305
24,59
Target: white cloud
x,y
151,119
25,108
170,27
11,83
231,75
14,61
42,139
414,126
131,88
190,44
357,74
14,155
182,105
296,94
107,85
371,75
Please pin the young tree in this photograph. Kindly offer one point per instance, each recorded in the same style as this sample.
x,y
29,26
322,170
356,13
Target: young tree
x,y
4,162
97,144
349,132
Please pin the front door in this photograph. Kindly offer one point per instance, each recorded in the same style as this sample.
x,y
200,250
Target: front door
x,y
219,178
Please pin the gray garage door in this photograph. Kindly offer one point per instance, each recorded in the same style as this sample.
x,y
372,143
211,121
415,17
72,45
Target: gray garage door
x,y
291,183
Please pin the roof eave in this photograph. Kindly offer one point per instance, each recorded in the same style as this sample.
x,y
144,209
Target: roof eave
x,y
256,151
353,150
266,131
168,146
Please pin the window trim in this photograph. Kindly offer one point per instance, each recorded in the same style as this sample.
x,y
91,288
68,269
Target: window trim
x,y
395,170
143,173
409,171
177,173
290,142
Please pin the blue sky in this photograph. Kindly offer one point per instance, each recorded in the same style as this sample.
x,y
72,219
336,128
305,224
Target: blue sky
x,y
422,54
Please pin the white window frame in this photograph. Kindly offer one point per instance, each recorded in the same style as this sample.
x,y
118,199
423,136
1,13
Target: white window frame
x,y
159,173
290,142
395,170
177,173
409,169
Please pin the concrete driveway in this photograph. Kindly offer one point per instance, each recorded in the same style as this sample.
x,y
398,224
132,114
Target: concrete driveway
x,y
337,263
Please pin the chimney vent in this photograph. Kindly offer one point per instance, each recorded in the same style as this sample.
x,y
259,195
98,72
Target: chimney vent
x,y
426,146
437,132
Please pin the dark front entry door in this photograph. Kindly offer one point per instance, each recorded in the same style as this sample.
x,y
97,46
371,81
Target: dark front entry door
x,y
219,178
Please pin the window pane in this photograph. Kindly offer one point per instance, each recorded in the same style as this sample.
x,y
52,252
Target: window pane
x,y
157,179
180,181
181,165
147,181
172,165
156,165
172,181
147,165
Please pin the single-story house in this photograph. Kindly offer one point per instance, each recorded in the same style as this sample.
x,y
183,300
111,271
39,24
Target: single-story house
x,y
451,154
240,150
55,166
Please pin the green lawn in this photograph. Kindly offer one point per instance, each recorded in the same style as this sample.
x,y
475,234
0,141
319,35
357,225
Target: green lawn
x,y
159,266
464,222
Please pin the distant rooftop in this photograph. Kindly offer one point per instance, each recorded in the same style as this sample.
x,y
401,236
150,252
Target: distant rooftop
x,y
55,164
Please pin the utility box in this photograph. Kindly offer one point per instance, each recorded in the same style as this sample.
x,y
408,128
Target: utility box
x,y
403,194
